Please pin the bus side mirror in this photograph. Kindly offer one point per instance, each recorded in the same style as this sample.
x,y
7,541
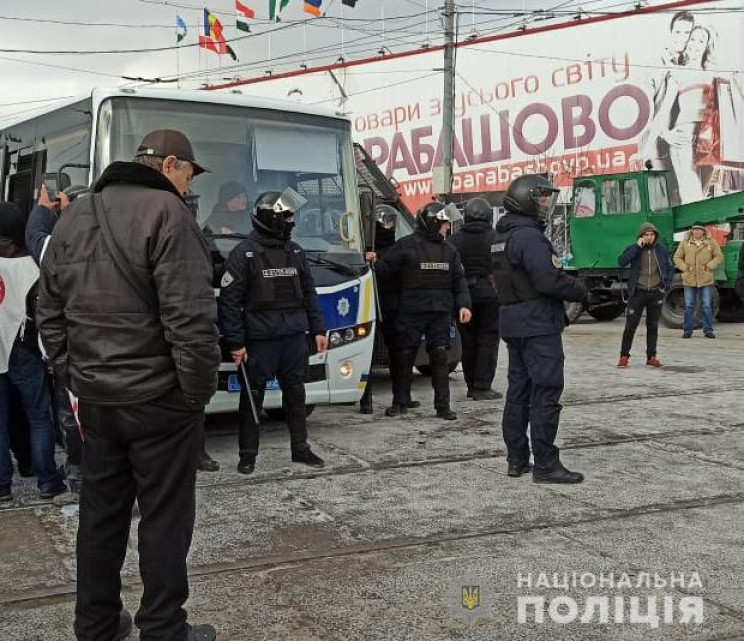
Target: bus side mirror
x,y
367,206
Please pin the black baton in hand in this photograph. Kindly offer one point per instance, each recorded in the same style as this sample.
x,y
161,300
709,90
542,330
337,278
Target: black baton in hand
x,y
248,391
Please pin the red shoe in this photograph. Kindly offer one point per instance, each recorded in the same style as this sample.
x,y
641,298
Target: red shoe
x,y
653,362
623,362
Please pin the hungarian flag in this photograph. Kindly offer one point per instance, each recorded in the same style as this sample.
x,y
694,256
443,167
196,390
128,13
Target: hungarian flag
x,y
274,11
244,14
213,38
313,7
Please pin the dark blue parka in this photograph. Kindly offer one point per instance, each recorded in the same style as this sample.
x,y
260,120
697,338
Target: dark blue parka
x,y
632,256
405,254
40,225
239,323
528,250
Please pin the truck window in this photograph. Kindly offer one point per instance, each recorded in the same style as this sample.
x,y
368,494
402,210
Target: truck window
x,y
584,201
658,196
621,197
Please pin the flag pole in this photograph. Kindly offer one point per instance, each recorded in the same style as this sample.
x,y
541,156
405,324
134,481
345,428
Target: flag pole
x,y
304,41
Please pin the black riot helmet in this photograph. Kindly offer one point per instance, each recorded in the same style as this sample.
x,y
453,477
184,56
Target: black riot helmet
x,y
531,195
386,220
478,210
433,215
273,209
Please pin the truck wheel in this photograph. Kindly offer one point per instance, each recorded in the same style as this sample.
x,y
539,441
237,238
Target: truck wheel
x,y
573,311
732,308
277,413
607,311
673,309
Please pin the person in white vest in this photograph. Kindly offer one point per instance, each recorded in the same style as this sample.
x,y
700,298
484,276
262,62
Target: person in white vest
x,y
20,360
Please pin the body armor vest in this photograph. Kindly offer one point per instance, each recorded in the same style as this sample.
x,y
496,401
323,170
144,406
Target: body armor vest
x,y
430,269
512,282
275,282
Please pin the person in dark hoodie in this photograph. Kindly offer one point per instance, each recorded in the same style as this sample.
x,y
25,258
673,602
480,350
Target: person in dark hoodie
x,y
650,275
21,365
388,294
127,316
268,311
433,288
532,287
480,337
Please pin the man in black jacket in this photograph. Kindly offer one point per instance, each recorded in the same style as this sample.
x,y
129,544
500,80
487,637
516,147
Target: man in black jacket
x,y
268,312
127,316
532,287
480,337
433,287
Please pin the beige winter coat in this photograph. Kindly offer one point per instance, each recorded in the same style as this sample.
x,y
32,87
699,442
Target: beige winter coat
x,y
697,261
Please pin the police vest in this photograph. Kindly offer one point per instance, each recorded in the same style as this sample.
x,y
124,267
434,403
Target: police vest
x,y
430,268
275,279
512,283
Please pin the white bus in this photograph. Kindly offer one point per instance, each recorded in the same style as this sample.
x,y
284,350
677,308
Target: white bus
x,y
261,144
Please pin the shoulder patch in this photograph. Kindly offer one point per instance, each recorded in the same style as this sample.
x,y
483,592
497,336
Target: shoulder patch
x,y
556,261
227,279
249,254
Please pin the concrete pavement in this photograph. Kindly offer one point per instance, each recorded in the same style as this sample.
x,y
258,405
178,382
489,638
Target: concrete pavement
x,y
379,544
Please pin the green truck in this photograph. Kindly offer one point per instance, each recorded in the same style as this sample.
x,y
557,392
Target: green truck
x,y
606,211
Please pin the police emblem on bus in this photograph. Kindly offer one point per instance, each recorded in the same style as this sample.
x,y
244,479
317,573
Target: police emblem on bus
x,y
470,597
343,306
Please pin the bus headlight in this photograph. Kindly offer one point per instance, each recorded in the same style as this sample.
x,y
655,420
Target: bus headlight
x,y
347,335
346,369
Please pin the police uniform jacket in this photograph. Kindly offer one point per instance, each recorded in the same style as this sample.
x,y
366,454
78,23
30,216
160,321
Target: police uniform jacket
x,y
267,292
475,242
538,309
430,274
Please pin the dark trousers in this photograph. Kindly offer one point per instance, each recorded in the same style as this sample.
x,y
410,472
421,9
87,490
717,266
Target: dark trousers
x,y
27,374
480,344
286,359
387,326
434,328
148,452
651,300
535,388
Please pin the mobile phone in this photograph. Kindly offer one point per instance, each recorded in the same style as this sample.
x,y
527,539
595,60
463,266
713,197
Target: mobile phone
x,y
51,187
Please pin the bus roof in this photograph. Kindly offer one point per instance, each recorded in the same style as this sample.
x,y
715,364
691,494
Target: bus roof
x,y
234,97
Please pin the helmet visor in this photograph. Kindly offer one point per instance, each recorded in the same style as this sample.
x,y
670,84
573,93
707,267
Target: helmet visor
x,y
453,213
386,216
289,202
545,202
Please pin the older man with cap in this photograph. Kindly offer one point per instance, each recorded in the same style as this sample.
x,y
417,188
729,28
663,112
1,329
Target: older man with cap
x,y
127,316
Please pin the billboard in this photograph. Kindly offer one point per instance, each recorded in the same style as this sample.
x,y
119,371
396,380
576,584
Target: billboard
x,y
600,95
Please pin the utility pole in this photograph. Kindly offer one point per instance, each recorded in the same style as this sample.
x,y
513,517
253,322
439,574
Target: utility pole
x,y
443,175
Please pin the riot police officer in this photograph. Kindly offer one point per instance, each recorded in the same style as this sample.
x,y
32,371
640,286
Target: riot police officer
x,y
388,294
532,287
433,286
268,308
480,337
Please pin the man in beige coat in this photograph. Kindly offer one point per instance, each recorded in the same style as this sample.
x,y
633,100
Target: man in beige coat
x,y
697,257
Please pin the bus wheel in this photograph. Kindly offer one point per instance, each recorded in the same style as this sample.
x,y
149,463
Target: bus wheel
x,y
607,311
277,413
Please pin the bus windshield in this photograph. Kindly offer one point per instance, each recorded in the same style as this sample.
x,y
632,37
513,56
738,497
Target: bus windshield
x,y
249,151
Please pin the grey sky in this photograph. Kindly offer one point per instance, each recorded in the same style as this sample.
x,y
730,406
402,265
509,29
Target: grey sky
x,y
151,24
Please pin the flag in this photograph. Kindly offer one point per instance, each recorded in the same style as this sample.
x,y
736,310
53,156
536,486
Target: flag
x,y
180,29
313,7
349,3
245,13
273,11
213,39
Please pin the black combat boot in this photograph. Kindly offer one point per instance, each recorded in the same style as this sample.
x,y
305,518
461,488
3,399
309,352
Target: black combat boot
x,y
559,475
517,468
307,457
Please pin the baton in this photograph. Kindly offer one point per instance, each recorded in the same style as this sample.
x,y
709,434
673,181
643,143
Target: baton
x,y
377,294
248,391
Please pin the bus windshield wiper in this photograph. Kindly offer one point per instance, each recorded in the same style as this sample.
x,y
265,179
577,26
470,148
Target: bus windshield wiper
x,y
316,257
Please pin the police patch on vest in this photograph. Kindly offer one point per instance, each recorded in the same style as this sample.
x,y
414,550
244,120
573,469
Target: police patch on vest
x,y
227,279
556,261
438,266
284,272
